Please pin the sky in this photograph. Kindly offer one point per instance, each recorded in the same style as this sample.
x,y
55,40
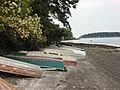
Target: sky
x,y
95,16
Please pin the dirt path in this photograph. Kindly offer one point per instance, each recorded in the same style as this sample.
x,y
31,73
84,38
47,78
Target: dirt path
x,y
100,71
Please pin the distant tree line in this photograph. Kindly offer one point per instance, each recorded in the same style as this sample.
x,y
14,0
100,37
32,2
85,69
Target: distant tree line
x,y
101,34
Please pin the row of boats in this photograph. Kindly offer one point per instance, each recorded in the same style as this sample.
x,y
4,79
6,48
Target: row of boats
x,y
33,63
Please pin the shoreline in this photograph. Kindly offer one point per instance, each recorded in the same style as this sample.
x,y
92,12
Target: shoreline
x,y
99,71
88,45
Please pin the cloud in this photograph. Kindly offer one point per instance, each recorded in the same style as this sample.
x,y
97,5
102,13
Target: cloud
x,y
85,7
95,16
88,4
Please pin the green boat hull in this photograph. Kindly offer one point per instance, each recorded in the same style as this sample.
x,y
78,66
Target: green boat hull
x,y
40,62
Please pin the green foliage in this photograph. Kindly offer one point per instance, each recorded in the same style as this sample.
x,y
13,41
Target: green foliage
x,y
55,34
15,8
17,23
57,9
15,19
20,21
28,27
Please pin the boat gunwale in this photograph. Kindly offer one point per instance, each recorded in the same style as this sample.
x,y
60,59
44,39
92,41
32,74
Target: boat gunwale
x,y
36,58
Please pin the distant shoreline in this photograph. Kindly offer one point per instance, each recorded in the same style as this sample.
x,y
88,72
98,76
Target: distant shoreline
x,y
97,37
101,34
88,45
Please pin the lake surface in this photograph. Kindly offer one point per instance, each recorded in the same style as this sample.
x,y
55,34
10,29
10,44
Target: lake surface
x,y
111,41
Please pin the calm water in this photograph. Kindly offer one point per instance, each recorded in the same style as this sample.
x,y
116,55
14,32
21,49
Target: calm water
x,y
112,41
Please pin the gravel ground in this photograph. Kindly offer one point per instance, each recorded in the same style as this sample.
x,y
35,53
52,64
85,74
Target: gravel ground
x,y
100,71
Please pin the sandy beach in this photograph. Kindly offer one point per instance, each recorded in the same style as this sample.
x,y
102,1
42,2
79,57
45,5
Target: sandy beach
x,y
100,71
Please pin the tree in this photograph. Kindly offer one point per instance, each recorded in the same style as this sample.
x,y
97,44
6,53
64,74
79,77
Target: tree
x,y
57,9
55,34
17,23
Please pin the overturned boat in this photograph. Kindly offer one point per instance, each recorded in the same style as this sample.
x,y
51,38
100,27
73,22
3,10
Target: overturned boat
x,y
78,54
39,61
20,68
68,60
